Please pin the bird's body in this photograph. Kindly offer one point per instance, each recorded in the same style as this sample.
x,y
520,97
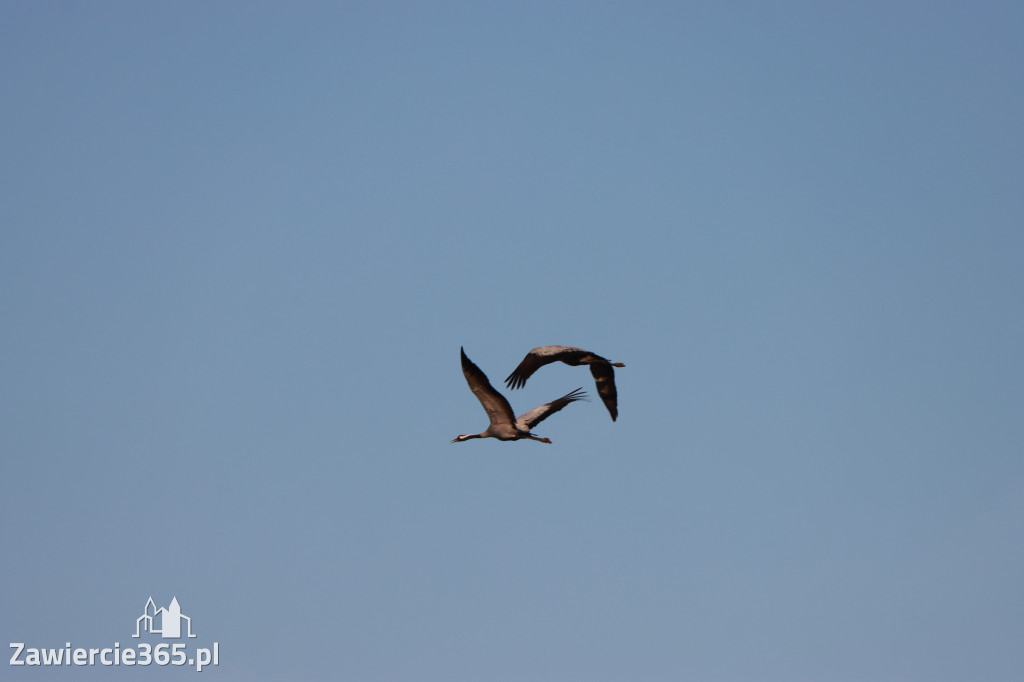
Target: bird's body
x,y
504,424
600,368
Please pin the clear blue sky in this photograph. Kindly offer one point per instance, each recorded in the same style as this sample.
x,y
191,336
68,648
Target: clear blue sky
x,y
242,243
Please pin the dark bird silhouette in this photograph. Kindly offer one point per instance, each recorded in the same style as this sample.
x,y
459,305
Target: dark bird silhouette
x,y
504,424
600,368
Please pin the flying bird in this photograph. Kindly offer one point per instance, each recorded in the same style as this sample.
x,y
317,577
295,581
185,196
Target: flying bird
x,y
600,368
504,424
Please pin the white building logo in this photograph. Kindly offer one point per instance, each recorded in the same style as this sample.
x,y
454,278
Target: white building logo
x,y
169,620
163,622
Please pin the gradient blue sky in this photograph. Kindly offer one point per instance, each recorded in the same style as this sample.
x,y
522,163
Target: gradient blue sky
x,y
242,244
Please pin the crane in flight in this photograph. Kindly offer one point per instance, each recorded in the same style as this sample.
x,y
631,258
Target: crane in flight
x,y
601,369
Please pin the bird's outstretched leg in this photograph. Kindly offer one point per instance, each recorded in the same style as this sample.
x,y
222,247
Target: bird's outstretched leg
x,y
539,439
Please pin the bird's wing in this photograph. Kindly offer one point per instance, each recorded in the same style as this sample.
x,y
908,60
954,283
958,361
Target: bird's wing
x,y
604,377
496,405
535,416
537,358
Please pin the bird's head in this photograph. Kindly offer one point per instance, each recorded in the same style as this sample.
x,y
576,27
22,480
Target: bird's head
x,y
461,438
